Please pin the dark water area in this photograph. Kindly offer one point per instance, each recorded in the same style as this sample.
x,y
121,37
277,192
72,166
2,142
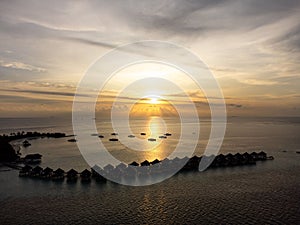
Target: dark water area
x,y
260,194
267,193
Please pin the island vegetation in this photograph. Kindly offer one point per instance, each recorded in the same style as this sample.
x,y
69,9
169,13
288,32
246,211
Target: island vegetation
x,y
9,154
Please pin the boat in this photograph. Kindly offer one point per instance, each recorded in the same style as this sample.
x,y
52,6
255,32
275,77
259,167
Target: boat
x,y
113,139
162,137
143,134
168,134
131,136
298,152
101,136
151,139
114,134
72,140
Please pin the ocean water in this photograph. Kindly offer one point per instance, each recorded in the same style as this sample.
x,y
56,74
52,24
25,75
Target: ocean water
x,y
267,193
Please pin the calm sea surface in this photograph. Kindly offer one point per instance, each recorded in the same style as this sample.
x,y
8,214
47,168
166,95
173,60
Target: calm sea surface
x,y
268,193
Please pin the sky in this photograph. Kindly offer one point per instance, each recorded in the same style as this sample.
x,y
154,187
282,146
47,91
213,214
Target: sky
x,y
251,47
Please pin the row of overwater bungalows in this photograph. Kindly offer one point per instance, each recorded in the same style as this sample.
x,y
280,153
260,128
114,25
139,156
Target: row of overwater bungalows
x,y
146,168
59,174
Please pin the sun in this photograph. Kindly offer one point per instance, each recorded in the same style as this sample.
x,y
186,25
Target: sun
x,y
153,101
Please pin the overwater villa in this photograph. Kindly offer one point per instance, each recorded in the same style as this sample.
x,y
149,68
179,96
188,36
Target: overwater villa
x,y
72,175
108,168
25,171
134,163
261,156
145,163
58,174
47,173
192,163
156,161
36,171
121,167
96,174
86,175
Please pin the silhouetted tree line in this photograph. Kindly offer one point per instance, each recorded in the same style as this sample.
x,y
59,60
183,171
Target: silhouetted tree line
x,y
7,152
29,134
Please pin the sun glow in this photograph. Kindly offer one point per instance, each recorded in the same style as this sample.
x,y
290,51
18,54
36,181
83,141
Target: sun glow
x,y
153,100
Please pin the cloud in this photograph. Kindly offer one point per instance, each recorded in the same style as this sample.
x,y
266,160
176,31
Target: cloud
x,y
259,82
235,105
90,42
21,66
253,42
55,93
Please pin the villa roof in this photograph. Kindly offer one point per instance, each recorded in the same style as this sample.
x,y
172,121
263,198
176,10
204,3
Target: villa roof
x,y
59,171
47,170
86,173
121,166
26,168
108,167
155,161
72,172
145,163
134,163
37,169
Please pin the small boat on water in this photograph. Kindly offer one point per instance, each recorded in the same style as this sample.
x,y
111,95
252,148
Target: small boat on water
x,y
72,140
151,139
162,137
101,136
114,134
143,134
298,152
131,136
168,134
113,139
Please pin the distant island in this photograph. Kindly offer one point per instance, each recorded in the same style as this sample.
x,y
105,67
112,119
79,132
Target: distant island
x,y
8,153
